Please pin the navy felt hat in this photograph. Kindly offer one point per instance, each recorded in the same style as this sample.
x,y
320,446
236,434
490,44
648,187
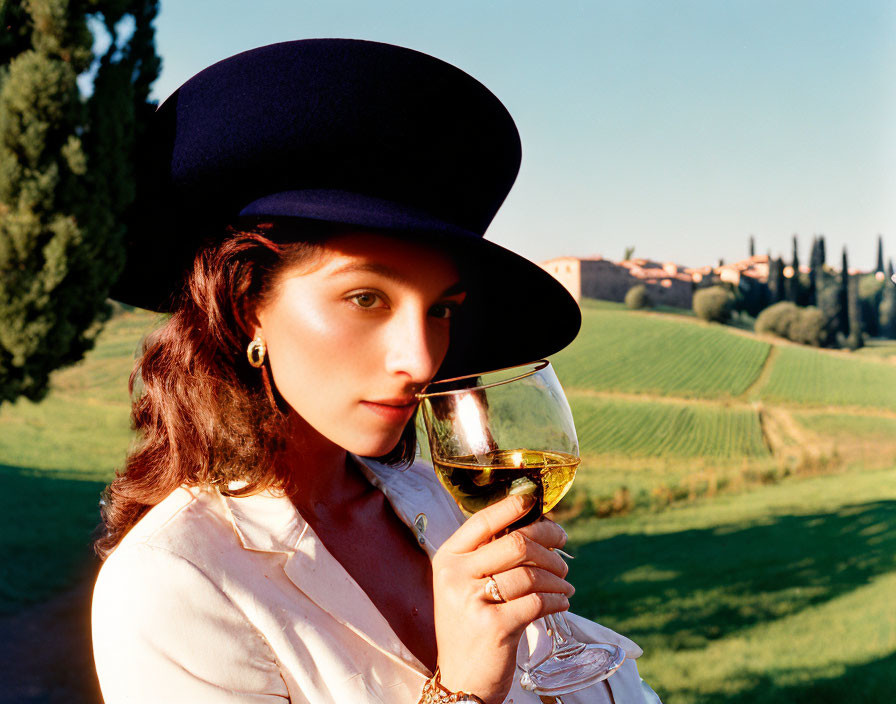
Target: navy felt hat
x,y
356,132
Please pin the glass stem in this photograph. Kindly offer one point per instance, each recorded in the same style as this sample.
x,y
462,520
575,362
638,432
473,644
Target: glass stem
x,y
560,633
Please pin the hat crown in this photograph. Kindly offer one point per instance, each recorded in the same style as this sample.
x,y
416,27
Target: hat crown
x,y
347,115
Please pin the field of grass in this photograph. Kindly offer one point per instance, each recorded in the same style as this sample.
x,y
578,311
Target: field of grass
x,y
767,575
807,376
651,436
779,595
850,428
55,459
645,428
880,349
652,354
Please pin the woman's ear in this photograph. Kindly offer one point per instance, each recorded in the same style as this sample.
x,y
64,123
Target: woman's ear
x,y
249,318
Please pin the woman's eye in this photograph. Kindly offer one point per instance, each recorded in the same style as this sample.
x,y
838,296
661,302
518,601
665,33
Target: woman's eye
x,y
365,300
443,310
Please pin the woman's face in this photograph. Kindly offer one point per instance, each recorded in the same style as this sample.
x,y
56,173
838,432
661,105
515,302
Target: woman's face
x,y
352,335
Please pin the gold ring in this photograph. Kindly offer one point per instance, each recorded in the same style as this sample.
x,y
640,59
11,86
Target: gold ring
x,y
492,591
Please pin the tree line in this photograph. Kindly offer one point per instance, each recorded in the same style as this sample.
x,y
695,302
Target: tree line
x,y
71,119
830,306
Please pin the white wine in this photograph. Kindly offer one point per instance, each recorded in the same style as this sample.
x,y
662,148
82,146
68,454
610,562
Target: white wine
x,y
479,481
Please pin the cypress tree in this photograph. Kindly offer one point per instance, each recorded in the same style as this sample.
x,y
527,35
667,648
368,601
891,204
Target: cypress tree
x,y
887,309
880,254
814,270
772,280
855,340
65,180
829,304
844,296
776,280
794,286
752,246
15,36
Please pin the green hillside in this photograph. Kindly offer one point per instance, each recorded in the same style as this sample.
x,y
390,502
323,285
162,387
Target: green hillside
x,y
782,595
654,354
669,408
769,578
649,428
55,459
804,376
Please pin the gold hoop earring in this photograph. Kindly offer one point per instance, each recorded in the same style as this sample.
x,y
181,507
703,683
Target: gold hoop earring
x,y
256,352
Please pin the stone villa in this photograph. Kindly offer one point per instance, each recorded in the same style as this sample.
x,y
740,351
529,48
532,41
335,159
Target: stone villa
x,y
667,284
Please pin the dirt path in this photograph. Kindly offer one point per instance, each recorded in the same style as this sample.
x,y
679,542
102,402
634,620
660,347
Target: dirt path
x,y
763,376
45,651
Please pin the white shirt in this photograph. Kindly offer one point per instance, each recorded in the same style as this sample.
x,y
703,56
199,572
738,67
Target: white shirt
x,y
216,599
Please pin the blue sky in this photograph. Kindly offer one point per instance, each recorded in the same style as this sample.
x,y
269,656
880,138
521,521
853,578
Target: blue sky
x,y
679,127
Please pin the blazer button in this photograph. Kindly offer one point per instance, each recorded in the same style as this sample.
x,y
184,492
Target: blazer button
x,y
420,523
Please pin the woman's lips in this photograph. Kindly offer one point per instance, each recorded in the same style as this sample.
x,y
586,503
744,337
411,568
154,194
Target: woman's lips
x,y
392,410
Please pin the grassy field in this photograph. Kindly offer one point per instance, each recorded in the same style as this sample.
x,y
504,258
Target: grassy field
x,y
804,376
55,459
654,354
669,409
746,490
648,428
847,428
779,595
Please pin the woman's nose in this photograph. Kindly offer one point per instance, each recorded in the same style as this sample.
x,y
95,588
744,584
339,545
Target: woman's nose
x,y
415,348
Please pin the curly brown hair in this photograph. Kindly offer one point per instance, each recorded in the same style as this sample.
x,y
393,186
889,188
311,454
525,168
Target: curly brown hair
x,y
202,413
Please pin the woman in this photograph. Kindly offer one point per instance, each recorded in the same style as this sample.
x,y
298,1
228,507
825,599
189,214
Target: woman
x,y
315,229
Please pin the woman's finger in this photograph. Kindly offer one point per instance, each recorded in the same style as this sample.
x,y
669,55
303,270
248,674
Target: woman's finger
x,y
545,532
513,550
534,606
522,581
484,525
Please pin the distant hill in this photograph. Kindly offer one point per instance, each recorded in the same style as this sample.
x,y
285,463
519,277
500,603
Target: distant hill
x,y
669,407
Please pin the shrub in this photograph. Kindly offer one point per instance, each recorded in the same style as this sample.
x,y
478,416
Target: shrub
x,y
713,304
636,298
810,328
806,326
777,319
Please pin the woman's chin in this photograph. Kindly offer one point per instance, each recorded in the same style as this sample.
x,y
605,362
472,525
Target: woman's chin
x,y
373,447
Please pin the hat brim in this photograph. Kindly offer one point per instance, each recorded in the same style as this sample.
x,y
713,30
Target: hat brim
x,y
514,312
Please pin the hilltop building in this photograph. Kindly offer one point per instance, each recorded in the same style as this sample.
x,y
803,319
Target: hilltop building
x,y
596,277
667,283
755,267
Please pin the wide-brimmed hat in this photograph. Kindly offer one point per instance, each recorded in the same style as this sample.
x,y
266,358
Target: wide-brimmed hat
x,y
356,132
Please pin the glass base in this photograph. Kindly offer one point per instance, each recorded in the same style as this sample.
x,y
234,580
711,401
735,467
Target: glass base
x,y
573,668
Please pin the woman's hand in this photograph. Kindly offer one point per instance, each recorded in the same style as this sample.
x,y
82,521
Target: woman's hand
x,y
477,638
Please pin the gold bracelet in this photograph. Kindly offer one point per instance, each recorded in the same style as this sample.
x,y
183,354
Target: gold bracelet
x,y
435,693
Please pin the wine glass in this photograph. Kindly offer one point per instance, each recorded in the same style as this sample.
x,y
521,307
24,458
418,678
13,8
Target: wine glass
x,y
511,432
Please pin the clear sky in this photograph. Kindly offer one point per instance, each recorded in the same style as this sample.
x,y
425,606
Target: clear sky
x,y
679,127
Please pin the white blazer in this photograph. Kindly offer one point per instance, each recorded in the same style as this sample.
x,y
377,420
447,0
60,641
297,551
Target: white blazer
x,y
219,600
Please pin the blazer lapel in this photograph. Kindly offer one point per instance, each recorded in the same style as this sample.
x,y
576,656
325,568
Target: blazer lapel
x,y
270,522
417,499
325,581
